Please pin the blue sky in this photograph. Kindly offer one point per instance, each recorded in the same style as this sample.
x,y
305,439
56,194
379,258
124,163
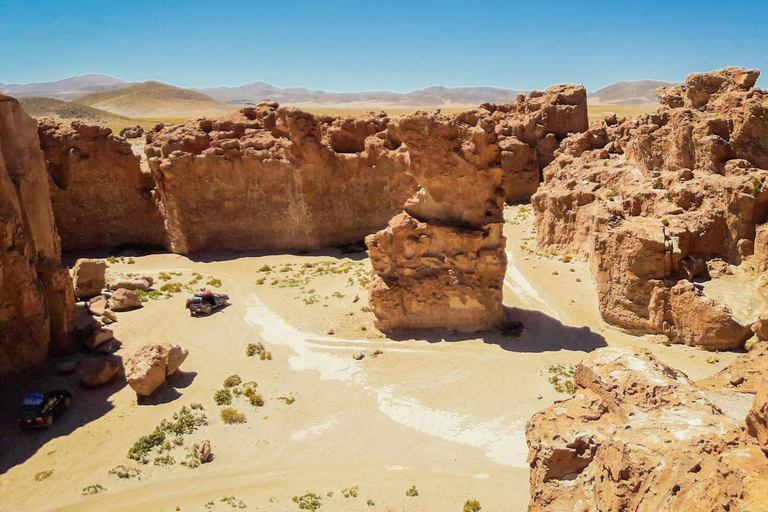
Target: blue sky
x,y
377,45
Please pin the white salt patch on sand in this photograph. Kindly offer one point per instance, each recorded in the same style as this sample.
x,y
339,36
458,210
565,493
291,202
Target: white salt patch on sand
x,y
276,331
315,430
395,468
504,444
482,476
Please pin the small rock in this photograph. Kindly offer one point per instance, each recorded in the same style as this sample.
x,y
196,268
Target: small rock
x,y
205,451
106,347
124,300
109,315
66,366
359,356
97,371
97,305
88,277
355,298
331,332
101,336
736,380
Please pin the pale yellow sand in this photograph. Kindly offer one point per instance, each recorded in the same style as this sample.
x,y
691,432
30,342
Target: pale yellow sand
x,y
445,412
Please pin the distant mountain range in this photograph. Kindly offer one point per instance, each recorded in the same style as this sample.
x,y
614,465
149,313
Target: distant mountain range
x,y
641,92
621,93
437,96
67,89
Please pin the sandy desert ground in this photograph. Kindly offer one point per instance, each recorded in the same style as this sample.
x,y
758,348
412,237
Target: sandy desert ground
x,y
442,411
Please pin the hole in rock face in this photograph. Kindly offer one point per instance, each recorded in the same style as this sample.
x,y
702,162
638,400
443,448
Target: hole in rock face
x,y
345,142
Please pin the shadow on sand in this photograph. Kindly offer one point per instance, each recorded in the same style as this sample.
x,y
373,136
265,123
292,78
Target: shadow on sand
x,y
541,333
169,391
88,404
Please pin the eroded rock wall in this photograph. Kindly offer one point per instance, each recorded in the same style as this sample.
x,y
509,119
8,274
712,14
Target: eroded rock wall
x,y
276,178
37,304
649,200
640,436
100,196
441,263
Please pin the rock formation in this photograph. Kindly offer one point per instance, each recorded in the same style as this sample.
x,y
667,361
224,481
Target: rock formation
x,y
651,199
115,281
124,300
89,277
132,132
37,302
148,368
441,263
271,177
275,178
101,198
640,436
94,372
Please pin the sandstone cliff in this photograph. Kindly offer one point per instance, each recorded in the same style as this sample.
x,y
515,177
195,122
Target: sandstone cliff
x,y
37,305
651,199
640,436
276,178
101,198
272,177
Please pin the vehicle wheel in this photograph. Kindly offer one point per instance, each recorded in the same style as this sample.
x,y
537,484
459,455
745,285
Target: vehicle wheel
x,y
48,421
191,313
224,302
207,309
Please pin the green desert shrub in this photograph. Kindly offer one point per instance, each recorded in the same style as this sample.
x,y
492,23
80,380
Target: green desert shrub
x,y
223,397
230,415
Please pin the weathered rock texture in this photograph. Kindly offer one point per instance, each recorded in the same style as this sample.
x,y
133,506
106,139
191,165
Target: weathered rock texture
x,y
276,178
37,302
89,277
649,200
147,369
640,436
101,198
441,263
272,177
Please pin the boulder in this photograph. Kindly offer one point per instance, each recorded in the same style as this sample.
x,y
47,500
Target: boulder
x,y
108,316
757,419
97,305
639,435
124,300
88,277
148,368
115,281
99,337
205,451
94,372
132,132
